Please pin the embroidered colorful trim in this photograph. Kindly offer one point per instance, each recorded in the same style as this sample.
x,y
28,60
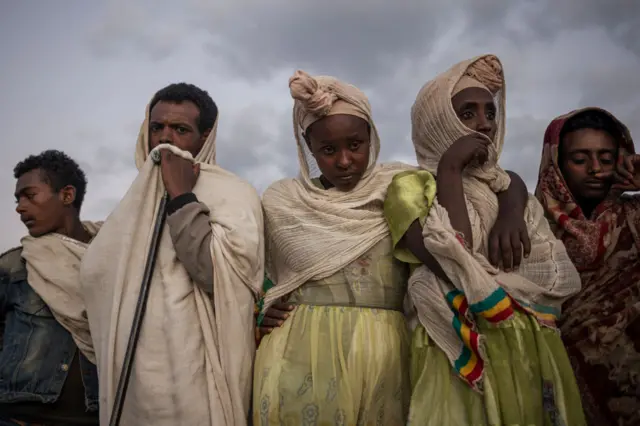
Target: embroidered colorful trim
x,y
495,308
469,364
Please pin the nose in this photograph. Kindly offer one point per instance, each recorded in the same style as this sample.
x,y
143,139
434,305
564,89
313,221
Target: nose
x,y
20,207
594,166
484,124
166,136
344,160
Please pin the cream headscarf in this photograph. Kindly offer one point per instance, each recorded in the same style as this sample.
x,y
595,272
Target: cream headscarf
x,y
53,271
194,357
544,280
311,233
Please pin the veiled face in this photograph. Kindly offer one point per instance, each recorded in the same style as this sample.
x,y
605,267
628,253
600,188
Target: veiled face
x,y
340,145
477,110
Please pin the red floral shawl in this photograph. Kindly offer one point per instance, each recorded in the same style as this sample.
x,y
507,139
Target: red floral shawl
x,y
589,241
601,324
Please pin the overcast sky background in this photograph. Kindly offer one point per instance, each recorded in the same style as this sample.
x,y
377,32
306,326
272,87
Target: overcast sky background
x,y
76,75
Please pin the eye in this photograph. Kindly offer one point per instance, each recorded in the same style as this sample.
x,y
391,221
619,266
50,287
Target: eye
x,y
182,130
578,160
155,127
355,145
466,115
328,150
491,115
606,160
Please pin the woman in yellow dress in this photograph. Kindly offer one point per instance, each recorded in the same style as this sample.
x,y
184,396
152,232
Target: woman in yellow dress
x,y
342,356
485,347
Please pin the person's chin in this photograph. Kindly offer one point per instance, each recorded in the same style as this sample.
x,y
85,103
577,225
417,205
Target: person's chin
x,y
346,187
35,232
596,193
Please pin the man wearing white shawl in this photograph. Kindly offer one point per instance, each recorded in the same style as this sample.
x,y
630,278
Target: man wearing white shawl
x,y
194,357
44,379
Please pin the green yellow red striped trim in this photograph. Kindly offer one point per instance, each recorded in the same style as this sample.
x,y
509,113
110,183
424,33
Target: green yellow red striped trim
x,y
495,308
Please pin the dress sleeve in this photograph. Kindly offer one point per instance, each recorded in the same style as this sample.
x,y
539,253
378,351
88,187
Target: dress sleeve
x,y
409,197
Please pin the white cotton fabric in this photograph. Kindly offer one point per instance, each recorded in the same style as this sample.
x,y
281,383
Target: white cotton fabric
x,y
194,358
312,233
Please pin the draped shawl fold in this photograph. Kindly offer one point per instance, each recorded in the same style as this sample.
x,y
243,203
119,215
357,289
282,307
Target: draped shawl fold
x,y
311,233
544,280
194,358
53,271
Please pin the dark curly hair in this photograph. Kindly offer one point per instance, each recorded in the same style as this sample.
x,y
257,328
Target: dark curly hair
x,y
592,119
58,170
181,92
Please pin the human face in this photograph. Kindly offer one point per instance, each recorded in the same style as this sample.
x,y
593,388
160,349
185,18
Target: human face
x,y
477,110
340,145
588,159
176,124
41,209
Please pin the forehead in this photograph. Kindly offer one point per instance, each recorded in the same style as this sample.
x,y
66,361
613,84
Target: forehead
x,y
174,112
588,140
472,95
31,179
337,125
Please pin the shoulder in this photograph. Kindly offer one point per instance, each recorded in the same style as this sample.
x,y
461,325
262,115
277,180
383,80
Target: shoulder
x,y
397,166
281,187
11,261
218,181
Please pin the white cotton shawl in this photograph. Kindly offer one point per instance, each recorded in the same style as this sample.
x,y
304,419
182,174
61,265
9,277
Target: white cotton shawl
x,y
194,358
311,233
53,271
544,280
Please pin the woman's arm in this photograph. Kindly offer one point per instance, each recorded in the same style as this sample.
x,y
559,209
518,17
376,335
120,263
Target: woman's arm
x,y
451,197
509,238
414,242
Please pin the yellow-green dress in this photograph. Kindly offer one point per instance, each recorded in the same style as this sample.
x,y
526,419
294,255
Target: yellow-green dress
x,y
527,379
342,357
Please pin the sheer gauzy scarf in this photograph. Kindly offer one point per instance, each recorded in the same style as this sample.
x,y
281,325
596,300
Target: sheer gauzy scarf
x,y
194,357
311,233
543,281
53,271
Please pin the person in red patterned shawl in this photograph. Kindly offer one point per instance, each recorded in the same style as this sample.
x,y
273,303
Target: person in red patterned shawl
x,y
588,161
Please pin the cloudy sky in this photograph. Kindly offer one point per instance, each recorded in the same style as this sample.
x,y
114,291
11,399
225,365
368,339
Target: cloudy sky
x,y
76,75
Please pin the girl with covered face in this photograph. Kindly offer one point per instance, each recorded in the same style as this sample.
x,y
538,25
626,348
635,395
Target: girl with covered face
x,y
588,159
341,357
494,326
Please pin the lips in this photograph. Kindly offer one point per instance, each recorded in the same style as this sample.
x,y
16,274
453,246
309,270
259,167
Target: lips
x,y
28,221
596,184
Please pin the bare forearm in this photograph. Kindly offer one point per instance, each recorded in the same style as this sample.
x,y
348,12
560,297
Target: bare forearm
x,y
191,235
414,241
451,197
515,198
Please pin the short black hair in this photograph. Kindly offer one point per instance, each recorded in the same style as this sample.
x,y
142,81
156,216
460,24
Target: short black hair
x,y
58,170
592,119
181,92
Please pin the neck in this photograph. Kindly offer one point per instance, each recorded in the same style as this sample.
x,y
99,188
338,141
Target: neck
x,y
325,182
72,228
588,207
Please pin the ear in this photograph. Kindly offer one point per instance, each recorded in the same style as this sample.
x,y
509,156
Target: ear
x,y
67,195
